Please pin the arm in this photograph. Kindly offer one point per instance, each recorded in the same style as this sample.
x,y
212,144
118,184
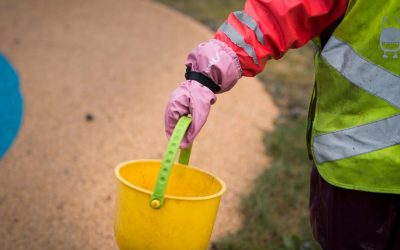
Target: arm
x,y
268,28
265,29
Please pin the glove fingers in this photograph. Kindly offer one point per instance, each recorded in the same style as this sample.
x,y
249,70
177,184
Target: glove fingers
x,y
178,106
199,118
189,98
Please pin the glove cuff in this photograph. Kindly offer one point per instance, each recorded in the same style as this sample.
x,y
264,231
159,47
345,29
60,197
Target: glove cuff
x,y
217,61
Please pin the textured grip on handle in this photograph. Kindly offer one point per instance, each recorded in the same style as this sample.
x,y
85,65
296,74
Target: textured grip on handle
x,y
157,198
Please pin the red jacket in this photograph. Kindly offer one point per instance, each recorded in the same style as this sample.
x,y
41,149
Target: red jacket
x,y
268,28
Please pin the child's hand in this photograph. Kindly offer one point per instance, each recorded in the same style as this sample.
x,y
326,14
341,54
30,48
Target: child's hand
x,y
219,64
189,98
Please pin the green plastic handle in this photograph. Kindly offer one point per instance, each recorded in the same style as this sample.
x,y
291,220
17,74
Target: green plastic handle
x,y
157,198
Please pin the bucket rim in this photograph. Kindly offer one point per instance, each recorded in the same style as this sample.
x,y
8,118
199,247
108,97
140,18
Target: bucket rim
x,y
173,197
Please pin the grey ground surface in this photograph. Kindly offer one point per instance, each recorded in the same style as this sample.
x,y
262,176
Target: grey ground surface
x,y
117,60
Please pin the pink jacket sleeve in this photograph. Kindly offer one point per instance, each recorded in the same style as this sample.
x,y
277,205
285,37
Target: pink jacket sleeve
x,y
268,28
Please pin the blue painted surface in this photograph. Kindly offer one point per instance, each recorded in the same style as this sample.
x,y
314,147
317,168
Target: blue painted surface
x,y
11,105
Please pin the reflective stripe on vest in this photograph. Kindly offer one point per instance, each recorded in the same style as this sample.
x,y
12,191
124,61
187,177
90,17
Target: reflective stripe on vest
x,y
357,140
251,24
373,79
238,39
366,75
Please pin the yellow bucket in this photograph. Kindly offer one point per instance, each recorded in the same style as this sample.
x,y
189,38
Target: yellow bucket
x,y
179,213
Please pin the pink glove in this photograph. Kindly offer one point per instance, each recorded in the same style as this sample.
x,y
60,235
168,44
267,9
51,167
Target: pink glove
x,y
217,61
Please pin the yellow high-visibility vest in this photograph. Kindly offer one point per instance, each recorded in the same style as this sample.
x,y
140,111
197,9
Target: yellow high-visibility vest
x,y
355,123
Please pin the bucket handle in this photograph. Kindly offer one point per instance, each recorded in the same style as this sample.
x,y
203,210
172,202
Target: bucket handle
x,y
157,198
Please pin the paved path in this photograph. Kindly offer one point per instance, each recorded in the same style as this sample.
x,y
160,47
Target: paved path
x,y
118,60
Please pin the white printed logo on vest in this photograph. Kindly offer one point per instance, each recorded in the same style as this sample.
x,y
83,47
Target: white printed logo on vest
x,y
390,37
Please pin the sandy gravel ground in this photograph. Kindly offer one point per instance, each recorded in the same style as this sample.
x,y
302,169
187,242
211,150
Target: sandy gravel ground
x,y
117,60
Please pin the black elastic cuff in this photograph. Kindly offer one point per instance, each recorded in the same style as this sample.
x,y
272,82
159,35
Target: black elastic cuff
x,y
204,80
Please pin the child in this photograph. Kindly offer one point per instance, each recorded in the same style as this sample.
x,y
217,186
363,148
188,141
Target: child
x,y
354,123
